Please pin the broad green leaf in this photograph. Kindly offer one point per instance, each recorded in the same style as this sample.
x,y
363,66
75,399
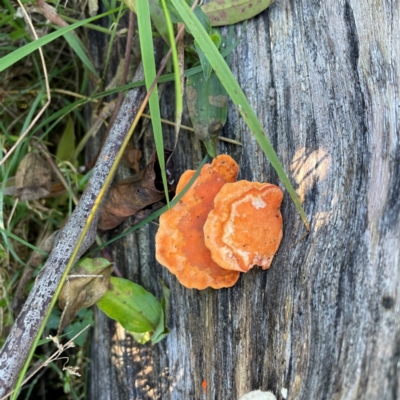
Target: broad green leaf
x,y
207,105
92,266
132,306
228,12
235,92
216,37
205,65
141,338
203,19
66,146
161,331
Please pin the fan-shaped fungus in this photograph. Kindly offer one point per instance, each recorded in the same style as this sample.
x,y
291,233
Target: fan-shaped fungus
x,y
245,227
180,239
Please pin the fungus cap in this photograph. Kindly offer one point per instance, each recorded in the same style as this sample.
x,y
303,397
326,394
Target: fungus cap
x,y
245,227
180,239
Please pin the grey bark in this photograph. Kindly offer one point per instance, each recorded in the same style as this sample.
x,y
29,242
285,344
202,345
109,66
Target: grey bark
x,y
324,320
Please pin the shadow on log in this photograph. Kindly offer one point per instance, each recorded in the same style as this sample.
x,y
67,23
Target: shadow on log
x,y
323,321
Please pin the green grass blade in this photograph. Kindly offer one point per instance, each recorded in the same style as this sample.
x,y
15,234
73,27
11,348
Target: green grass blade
x,y
175,62
112,40
22,52
235,92
4,176
79,50
22,241
60,114
147,50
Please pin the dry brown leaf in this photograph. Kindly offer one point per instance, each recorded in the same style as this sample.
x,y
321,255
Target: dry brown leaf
x,y
131,195
84,288
33,179
132,157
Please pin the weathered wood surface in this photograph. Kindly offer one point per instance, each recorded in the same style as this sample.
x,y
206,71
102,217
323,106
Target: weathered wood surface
x,y
324,321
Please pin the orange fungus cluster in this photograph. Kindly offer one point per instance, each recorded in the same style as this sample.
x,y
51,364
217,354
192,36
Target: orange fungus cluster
x,y
220,227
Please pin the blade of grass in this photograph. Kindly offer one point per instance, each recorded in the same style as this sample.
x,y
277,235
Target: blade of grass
x,y
22,241
79,50
89,26
175,62
112,38
235,92
147,50
22,52
60,114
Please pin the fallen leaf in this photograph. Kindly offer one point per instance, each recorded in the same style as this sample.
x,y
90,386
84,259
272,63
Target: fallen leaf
x,y
132,157
33,179
84,288
131,195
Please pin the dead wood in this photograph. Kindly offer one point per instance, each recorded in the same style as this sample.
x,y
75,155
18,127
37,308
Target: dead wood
x,y
324,320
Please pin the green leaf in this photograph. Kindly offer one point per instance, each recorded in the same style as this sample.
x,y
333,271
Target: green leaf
x,y
173,13
161,331
203,19
66,146
205,65
228,12
235,92
207,104
132,306
92,266
141,338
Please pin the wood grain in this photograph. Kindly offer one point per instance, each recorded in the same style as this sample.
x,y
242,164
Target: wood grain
x,y
324,321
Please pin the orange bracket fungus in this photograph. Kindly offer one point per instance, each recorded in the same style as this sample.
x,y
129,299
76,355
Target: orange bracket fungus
x,y
245,227
180,239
